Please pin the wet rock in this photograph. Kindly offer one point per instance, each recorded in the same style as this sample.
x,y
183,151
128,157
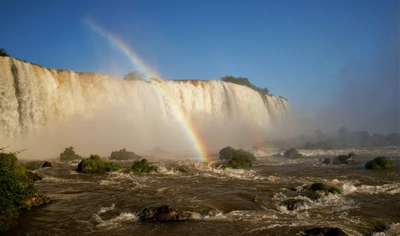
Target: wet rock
x,y
79,169
37,199
162,213
292,204
343,159
47,164
327,161
206,211
32,176
324,232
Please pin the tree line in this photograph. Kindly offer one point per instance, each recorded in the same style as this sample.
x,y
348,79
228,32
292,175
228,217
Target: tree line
x,y
344,139
244,81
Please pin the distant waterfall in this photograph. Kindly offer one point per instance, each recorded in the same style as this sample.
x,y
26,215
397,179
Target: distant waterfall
x,y
39,101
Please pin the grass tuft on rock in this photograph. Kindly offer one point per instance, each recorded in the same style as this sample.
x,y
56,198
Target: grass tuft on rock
x,y
379,163
319,186
142,166
238,158
94,164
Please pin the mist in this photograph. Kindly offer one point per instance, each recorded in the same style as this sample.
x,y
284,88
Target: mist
x,y
365,97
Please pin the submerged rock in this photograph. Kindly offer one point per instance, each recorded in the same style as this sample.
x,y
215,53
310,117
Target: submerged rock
x,y
47,164
324,232
162,213
292,204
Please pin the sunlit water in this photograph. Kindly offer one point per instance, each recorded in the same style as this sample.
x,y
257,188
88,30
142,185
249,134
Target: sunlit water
x,y
222,202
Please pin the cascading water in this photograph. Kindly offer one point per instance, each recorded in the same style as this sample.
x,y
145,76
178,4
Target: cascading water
x,y
49,104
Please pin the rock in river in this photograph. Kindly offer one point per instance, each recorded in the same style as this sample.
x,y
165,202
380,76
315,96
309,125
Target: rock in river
x,y
162,213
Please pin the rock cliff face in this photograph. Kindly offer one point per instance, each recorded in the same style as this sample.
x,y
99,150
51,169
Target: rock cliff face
x,y
34,100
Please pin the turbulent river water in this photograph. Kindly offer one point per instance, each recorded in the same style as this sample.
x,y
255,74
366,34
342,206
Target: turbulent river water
x,y
222,202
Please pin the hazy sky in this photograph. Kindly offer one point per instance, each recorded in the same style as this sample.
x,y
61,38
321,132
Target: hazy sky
x,y
337,62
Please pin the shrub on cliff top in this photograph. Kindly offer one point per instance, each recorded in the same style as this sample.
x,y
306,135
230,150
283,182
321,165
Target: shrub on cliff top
x,y
14,188
94,164
379,163
3,52
142,166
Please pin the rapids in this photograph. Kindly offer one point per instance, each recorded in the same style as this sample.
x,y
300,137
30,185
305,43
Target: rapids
x,y
222,202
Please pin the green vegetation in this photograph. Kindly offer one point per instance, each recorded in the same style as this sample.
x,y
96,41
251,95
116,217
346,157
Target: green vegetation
x,y
379,163
94,164
15,187
292,153
245,82
123,155
238,158
142,166
69,154
134,76
239,162
3,53
229,152
319,186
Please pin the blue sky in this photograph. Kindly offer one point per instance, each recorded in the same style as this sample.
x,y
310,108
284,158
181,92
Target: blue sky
x,y
330,58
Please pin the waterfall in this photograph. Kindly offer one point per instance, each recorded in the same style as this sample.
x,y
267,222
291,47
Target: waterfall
x,y
62,108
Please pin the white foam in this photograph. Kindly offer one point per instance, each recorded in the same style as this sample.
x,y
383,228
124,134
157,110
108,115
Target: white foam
x,y
105,209
163,170
385,188
348,188
62,180
126,216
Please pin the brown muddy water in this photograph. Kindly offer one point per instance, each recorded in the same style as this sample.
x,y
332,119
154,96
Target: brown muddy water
x,y
222,202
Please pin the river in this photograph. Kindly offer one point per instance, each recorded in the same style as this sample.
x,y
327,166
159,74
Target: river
x,y
222,202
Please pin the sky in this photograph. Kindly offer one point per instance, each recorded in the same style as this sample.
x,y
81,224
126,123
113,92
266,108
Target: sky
x,y
337,62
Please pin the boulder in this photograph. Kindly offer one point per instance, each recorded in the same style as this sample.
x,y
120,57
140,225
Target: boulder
x,y
162,214
324,232
327,161
32,176
47,164
343,159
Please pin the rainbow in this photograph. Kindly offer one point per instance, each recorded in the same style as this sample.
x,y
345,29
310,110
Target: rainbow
x,y
186,123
